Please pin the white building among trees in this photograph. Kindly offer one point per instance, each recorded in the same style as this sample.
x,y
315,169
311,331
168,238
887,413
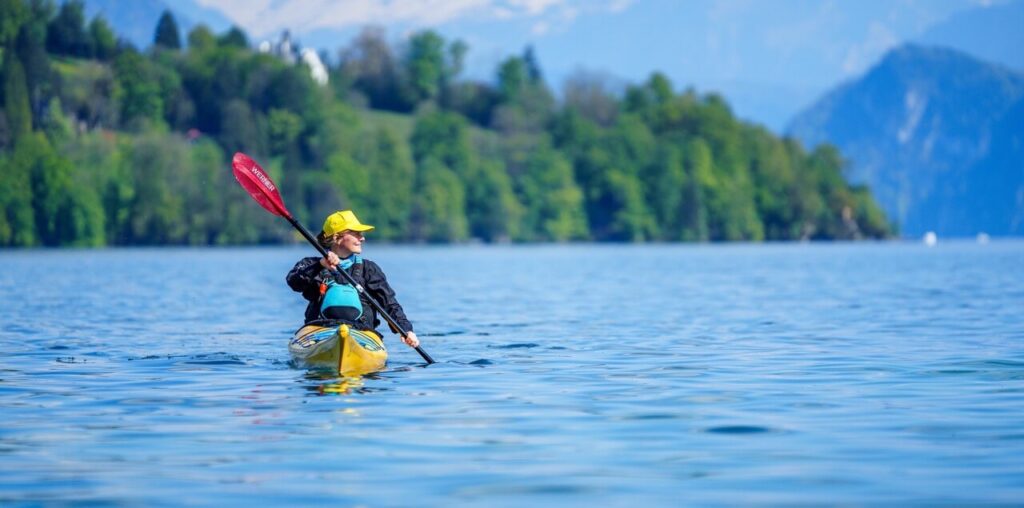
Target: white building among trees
x,y
285,50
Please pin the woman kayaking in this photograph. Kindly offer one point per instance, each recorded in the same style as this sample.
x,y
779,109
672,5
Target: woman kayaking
x,y
331,298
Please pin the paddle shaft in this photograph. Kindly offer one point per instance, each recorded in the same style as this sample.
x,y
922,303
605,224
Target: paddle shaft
x,y
348,278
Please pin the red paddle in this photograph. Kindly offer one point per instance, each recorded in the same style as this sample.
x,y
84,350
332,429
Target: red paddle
x,y
258,184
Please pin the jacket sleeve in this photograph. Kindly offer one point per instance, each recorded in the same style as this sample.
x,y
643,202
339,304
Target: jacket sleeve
x,y
378,287
302,277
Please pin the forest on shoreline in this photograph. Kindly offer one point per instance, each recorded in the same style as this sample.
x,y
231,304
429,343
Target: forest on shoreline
x,y
105,144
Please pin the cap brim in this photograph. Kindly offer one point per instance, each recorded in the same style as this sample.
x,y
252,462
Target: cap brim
x,y
362,228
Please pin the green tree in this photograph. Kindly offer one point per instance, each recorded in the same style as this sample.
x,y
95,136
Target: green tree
x,y
98,162
157,207
204,194
425,65
215,78
62,212
392,175
700,181
492,210
102,39
513,79
553,202
16,99
66,33
234,38
665,182
616,203
869,216
631,219
375,70
352,183
438,213
30,46
456,61
140,92
178,108
13,14
56,125
728,195
525,103
533,71
291,88
167,35
242,129
651,100
84,218
17,220
444,137
284,130
475,101
201,38
490,206
774,183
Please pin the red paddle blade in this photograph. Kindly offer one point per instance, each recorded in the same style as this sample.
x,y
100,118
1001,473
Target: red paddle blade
x,y
256,182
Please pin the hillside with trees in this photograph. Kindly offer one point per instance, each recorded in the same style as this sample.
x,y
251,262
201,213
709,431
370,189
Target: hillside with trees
x,y
104,144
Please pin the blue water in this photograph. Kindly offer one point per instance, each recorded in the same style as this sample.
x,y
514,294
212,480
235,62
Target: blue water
x,y
568,376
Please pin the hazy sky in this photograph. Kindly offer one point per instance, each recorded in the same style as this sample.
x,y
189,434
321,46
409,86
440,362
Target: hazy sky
x,y
768,57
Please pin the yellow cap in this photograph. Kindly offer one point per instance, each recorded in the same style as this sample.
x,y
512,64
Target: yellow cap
x,y
343,220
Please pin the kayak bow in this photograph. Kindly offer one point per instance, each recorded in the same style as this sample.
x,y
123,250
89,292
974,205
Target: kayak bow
x,y
349,351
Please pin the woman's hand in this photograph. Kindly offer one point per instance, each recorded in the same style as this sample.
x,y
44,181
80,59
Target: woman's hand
x,y
331,261
410,339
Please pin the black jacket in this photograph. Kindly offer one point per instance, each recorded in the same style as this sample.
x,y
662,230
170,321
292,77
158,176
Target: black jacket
x,y
307,275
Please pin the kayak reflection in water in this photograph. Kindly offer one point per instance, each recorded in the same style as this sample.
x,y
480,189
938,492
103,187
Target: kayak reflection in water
x,y
330,297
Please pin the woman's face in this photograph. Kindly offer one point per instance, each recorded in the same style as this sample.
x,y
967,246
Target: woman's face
x,y
349,242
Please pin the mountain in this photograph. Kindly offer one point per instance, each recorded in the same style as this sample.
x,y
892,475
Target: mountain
x,y
990,32
938,135
135,20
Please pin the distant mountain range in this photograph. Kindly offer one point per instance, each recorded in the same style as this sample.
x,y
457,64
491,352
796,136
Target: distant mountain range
x,y
992,33
135,20
937,134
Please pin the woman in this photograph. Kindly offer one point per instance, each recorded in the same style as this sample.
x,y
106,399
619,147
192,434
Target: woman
x,y
331,297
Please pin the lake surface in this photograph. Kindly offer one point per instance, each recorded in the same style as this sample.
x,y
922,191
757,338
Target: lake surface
x,y
567,376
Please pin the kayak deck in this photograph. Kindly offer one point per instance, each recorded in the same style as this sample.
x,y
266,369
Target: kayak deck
x,y
346,350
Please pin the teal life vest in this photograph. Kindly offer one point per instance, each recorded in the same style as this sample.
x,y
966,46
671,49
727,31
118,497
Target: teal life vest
x,y
339,300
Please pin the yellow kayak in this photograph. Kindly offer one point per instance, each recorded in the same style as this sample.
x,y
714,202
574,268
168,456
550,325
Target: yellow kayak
x,y
349,351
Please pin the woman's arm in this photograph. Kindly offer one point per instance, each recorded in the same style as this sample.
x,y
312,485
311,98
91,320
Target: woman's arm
x,y
302,277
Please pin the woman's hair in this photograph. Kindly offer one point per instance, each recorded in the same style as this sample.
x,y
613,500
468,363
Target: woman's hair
x,y
325,241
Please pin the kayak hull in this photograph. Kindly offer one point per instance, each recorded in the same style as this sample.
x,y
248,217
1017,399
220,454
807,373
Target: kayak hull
x,y
346,350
